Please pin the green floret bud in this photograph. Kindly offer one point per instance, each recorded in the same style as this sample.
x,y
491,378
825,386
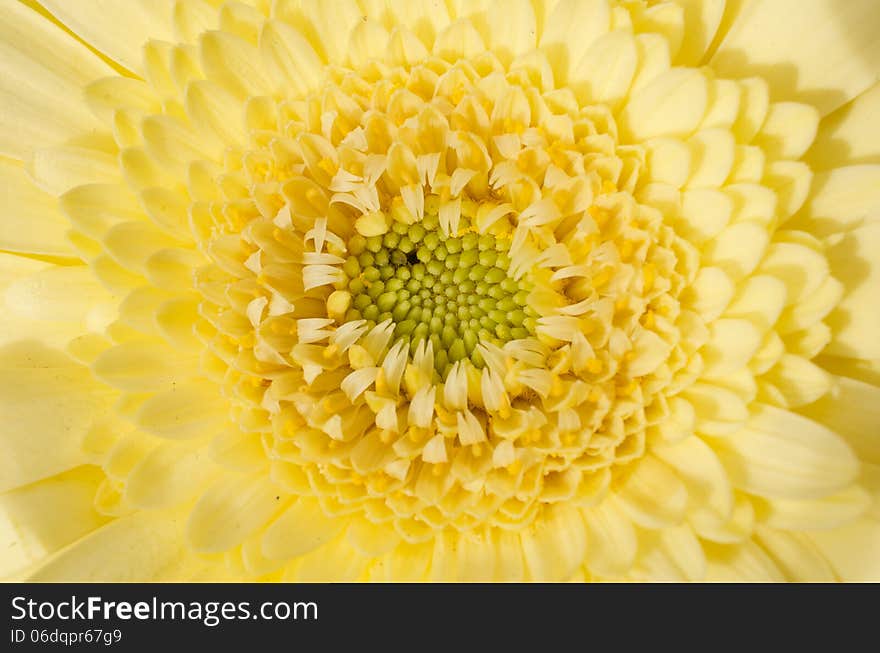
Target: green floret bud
x,y
356,244
351,267
416,232
375,289
453,290
391,239
371,274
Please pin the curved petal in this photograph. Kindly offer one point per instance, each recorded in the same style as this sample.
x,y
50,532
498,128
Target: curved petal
x,y
701,19
769,39
852,410
782,455
42,73
796,556
555,546
47,515
230,511
850,135
303,527
46,409
98,23
854,259
841,199
31,221
141,547
852,550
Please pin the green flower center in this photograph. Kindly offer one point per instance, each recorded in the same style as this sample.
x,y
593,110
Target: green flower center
x,y
452,290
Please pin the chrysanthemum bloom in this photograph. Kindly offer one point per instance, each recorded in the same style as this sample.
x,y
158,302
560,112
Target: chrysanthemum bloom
x,y
307,290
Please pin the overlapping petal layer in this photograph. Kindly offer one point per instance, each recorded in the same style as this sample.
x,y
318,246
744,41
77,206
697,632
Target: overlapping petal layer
x,y
398,292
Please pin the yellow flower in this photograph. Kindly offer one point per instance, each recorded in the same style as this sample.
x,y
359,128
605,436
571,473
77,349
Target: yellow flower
x,y
307,290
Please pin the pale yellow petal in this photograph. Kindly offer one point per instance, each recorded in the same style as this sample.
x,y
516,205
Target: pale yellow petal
x,y
826,513
303,527
698,466
142,366
48,515
290,58
767,38
31,221
788,130
795,556
46,409
606,70
60,168
676,555
98,23
145,546
170,474
408,563
702,18
188,410
337,561
520,29
852,550
571,28
841,199
651,493
673,104
42,72
59,294
850,135
611,540
852,410
230,511
741,563
854,260
555,545
782,455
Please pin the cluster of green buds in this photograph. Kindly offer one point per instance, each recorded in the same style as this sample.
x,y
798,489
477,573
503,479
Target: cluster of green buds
x,y
452,290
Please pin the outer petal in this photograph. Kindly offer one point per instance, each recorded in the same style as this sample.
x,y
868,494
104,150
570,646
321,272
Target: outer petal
x,y
45,516
850,135
555,545
780,454
796,556
47,405
852,550
852,409
42,74
702,18
841,199
141,547
854,259
99,23
823,53
31,221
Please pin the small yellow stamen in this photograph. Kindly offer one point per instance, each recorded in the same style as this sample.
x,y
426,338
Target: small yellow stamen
x,y
594,366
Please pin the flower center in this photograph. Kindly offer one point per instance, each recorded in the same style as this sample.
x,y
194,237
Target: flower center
x,y
453,289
